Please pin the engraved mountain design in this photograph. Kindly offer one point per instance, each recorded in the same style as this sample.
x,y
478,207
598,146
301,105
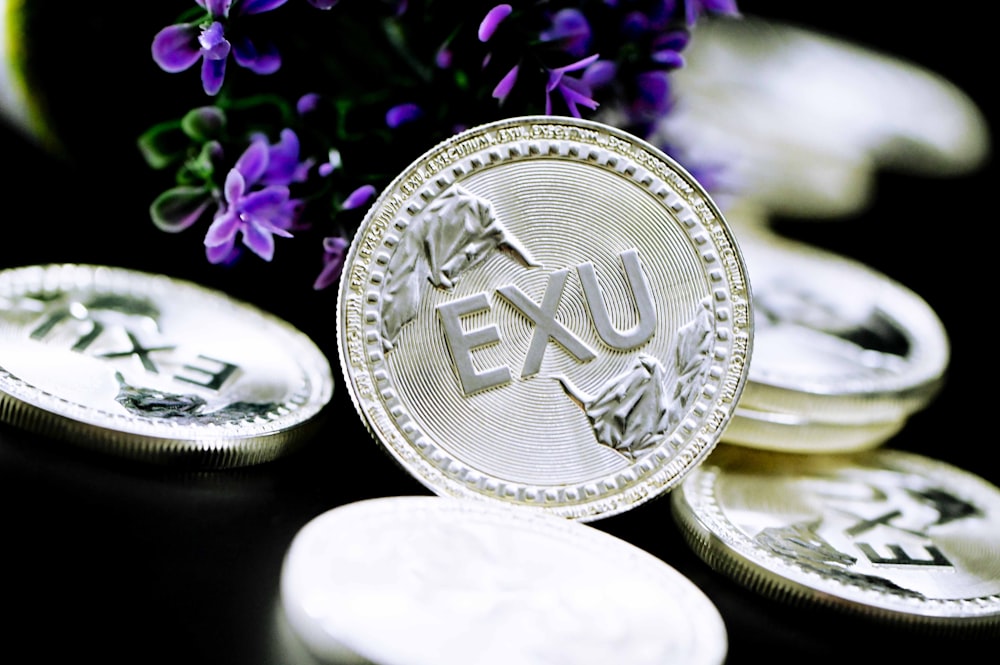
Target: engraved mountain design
x,y
801,545
633,411
454,233
150,403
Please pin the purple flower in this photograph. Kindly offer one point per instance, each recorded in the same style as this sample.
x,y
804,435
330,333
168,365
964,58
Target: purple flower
x,y
574,91
258,205
177,48
332,163
359,197
506,84
600,73
654,96
323,4
570,31
307,103
257,215
492,21
333,261
667,48
402,114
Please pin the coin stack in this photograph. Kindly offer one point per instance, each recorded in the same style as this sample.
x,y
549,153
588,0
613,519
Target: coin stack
x,y
805,500
843,354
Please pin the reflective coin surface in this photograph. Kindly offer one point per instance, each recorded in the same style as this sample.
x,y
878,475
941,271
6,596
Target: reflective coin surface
x,y
883,533
154,368
805,121
545,311
837,341
795,434
440,581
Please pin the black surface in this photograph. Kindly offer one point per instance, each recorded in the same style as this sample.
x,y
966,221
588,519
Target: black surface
x,y
119,563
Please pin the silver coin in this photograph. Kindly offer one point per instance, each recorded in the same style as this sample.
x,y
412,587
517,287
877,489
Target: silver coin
x,y
153,368
883,533
804,121
545,311
794,434
441,581
836,341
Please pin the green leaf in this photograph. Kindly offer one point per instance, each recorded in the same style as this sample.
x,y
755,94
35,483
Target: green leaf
x,y
163,145
176,209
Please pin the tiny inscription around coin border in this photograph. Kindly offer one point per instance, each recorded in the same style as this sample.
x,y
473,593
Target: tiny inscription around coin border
x,y
658,414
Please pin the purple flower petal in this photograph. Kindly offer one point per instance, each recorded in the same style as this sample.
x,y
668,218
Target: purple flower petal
x,y
283,161
323,4
506,84
332,163
226,253
253,162
668,58
401,114
443,57
265,203
259,241
579,64
570,29
575,93
600,73
266,60
213,73
214,45
176,48
654,93
358,197
334,248
223,230
234,187
492,21
217,8
307,103
258,6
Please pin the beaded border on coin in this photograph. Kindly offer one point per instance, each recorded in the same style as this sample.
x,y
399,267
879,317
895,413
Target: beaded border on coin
x,y
704,320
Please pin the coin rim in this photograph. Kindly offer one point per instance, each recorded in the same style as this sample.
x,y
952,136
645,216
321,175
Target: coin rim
x,y
148,440
604,504
728,550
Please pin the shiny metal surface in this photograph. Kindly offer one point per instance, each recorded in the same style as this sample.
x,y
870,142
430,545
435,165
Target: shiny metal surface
x,y
152,368
837,341
888,534
437,581
545,311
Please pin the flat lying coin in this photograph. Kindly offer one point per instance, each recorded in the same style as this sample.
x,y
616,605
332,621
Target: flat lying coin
x,y
439,581
795,434
153,368
836,341
803,121
545,311
883,533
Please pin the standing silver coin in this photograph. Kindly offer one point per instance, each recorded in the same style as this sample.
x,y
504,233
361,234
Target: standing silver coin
x,y
882,533
154,368
439,581
549,312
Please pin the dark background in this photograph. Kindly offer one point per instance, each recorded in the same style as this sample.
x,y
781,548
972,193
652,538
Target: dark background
x,y
125,564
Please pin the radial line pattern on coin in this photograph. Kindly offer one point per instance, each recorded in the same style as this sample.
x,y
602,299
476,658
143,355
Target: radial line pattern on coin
x,y
594,315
